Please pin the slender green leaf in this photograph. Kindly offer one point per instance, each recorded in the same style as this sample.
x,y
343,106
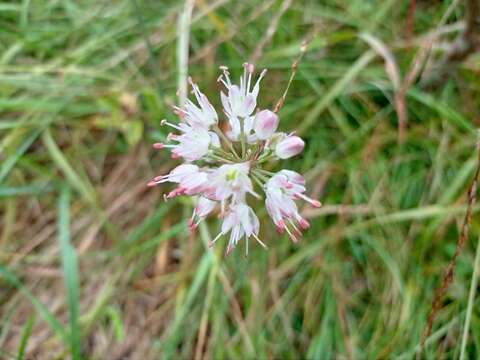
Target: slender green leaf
x,y
26,332
11,160
70,270
84,188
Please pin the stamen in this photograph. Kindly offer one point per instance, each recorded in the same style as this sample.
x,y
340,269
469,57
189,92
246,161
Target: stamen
x,y
255,195
167,146
191,225
178,191
313,202
172,136
195,90
260,241
304,224
226,74
193,214
292,237
229,250
295,228
180,112
165,122
249,67
212,242
158,146
223,82
243,80
262,74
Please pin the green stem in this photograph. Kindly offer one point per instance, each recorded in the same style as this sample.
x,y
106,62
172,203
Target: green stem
x,y
266,172
259,174
222,153
257,180
265,158
242,137
219,158
226,141
471,298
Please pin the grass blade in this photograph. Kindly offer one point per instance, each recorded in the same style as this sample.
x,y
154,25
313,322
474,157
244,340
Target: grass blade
x,y
336,90
175,333
471,299
59,159
10,162
70,272
26,332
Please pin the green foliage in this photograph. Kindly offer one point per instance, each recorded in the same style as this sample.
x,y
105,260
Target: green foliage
x,y
93,263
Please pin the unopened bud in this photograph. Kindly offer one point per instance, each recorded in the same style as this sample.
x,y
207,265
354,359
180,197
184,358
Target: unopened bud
x,y
288,147
265,124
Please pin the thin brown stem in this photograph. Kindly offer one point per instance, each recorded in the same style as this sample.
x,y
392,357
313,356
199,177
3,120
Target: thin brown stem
x,y
303,49
412,5
450,269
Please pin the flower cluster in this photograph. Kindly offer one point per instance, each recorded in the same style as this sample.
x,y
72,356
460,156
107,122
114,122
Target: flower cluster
x,y
219,166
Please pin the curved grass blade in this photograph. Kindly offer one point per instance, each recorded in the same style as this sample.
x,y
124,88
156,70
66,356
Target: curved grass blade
x,y
10,162
83,187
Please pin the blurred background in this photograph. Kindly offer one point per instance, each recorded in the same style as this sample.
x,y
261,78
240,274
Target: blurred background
x,y
95,265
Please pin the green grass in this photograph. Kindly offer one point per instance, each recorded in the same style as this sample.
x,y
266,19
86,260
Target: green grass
x,y
92,262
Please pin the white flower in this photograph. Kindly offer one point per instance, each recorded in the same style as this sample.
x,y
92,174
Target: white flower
x,y
240,221
193,142
203,208
203,116
281,190
191,180
228,168
289,146
240,100
230,180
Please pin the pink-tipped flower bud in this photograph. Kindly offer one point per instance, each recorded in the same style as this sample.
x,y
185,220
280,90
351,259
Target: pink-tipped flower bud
x,y
265,124
249,67
290,146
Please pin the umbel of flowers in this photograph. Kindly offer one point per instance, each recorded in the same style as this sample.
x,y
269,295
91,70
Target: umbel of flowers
x,y
220,168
